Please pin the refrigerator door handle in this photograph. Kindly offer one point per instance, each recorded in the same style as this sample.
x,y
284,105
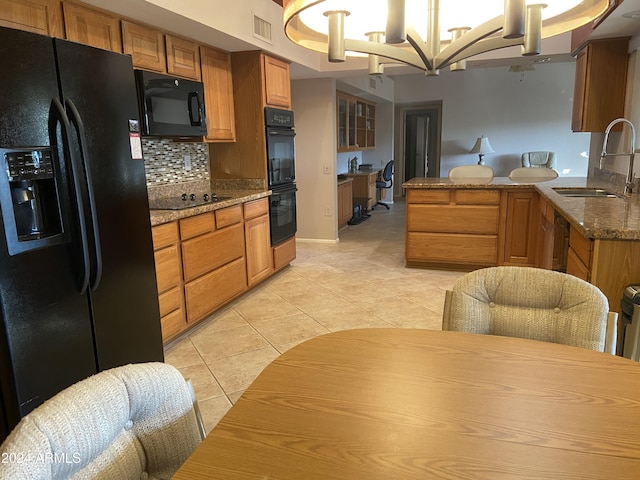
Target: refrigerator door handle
x,y
96,275
57,114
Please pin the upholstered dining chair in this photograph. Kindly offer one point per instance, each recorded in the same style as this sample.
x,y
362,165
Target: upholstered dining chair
x,y
136,421
539,159
531,303
471,171
525,174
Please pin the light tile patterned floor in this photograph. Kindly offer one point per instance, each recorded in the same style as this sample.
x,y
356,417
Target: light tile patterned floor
x,y
359,282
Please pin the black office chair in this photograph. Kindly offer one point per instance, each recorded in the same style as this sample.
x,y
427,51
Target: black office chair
x,y
386,182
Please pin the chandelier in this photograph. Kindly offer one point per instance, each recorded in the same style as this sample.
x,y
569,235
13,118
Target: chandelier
x,y
430,34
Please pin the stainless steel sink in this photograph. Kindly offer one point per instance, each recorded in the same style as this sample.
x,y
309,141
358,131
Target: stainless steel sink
x,y
587,192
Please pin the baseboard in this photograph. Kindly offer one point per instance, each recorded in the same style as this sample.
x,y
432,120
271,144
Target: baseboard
x,y
316,240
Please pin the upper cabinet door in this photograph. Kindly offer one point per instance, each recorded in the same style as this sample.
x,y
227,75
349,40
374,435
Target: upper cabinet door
x,y
92,27
37,16
277,85
183,58
145,45
600,84
218,95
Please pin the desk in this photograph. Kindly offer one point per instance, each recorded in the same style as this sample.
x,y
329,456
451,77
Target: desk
x,y
364,187
419,404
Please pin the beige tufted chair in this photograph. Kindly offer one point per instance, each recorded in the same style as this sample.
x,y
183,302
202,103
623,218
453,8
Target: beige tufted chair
x,y
132,422
531,303
539,159
524,174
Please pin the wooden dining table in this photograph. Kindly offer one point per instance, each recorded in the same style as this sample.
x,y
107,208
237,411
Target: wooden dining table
x,y
420,404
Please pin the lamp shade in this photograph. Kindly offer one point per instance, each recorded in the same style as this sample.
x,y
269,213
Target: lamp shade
x,y
482,146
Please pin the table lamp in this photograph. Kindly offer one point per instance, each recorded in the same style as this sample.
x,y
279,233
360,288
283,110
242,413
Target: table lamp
x,y
481,147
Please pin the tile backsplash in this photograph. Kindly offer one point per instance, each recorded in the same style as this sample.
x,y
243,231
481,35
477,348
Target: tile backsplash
x,y
164,161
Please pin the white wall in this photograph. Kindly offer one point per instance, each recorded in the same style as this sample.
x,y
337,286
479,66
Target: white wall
x,y
313,104
517,112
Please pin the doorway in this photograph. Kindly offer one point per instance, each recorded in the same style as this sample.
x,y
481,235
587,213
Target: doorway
x,y
418,141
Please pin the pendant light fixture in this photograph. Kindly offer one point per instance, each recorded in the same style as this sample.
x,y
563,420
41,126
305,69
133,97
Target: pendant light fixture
x,y
430,34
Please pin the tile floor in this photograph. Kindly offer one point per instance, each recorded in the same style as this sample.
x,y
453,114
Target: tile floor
x,y
358,282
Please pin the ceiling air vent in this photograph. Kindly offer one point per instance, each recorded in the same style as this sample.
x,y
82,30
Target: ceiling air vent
x,y
261,29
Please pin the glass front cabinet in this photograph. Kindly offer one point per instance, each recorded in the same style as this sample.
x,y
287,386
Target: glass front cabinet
x,y
356,123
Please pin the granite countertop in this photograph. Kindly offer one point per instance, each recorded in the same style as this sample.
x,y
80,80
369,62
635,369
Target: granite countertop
x,y
597,218
236,197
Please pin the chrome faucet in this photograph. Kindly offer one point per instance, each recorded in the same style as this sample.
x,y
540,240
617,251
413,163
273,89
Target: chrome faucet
x,y
628,187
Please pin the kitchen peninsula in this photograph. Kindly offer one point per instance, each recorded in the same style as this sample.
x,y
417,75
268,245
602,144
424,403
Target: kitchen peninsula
x,y
471,224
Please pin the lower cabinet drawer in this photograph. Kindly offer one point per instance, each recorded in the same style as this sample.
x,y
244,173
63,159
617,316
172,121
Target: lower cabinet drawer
x,y
206,252
428,196
284,253
453,218
205,294
170,301
452,248
575,266
581,246
172,324
168,271
256,208
228,216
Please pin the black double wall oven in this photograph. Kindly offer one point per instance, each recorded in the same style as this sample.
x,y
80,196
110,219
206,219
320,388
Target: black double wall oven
x,y
281,173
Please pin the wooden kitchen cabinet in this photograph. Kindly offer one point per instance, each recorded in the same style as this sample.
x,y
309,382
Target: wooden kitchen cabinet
x,y
97,28
206,294
365,125
600,84
355,122
207,252
206,260
145,45
37,16
246,158
521,222
257,241
546,234
553,238
610,265
218,85
183,58
284,253
576,267
364,188
345,201
211,255
277,83
579,255
346,122
452,227
169,279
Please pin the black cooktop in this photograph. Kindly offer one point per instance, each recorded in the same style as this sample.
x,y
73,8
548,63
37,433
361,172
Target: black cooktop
x,y
184,201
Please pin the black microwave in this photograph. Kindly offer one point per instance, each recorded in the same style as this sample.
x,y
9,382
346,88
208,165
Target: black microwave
x,y
170,106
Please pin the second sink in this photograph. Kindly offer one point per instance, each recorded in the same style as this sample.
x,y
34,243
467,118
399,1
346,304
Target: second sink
x,y
586,192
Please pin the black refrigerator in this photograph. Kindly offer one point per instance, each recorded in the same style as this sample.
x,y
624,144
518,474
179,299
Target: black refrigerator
x,y
77,278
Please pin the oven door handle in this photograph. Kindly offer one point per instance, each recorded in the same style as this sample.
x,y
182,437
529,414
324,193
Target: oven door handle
x,y
276,192
281,133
